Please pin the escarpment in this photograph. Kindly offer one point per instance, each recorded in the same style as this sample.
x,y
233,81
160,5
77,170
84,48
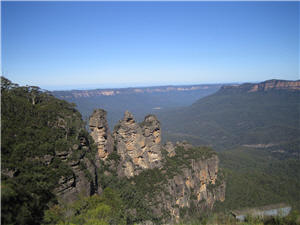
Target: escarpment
x,y
277,85
265,86
172,178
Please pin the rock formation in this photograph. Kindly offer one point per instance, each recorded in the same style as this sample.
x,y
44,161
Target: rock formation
x,y
100,133
169,147
276,85
83,178
189,174
196,183
138,145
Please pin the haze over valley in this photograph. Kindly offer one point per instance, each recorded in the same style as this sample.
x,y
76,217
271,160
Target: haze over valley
x,y
139,101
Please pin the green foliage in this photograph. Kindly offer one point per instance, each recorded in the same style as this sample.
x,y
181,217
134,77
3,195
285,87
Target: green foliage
x,y
183,158
289,168
34,125
114,156
148,181
257,177
103,210
62,145
252,189
243,159
226,119
131,195
83,167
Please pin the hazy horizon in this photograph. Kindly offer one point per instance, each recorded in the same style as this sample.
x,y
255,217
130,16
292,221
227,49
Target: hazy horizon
x,y
87,45
94,86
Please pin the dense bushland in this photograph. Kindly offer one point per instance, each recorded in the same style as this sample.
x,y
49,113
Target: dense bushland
x,y
100,210
226,119
34,124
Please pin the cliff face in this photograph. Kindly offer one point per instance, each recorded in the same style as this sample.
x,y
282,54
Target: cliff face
x,y
69,187
276,84
83,178
266,86
127,91
138,145
195,184
188,175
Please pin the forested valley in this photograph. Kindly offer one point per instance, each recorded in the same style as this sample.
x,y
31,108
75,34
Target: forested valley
x,y
46,151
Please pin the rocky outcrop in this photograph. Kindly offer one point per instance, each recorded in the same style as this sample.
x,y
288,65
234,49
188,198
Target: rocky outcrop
x,y
195,184
189,175
100,133
276,85
169,147
138,144
84,173
265,86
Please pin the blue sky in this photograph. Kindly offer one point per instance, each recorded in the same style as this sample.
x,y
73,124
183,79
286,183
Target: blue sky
x,y
66,45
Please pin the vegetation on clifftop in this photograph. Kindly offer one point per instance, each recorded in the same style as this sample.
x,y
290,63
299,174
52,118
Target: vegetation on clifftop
x,y
34,127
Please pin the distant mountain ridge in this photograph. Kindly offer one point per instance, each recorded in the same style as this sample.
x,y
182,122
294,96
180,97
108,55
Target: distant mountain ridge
x,y
262,114
129,91
265,86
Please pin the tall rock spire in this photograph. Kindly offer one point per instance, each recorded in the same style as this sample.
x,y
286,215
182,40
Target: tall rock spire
x,y
100,133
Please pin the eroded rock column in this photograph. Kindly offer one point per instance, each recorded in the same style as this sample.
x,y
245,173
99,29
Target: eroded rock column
x,y
100,133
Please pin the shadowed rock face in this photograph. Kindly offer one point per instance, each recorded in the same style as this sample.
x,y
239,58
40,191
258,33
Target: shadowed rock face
x,y
138,145
69,187
100,133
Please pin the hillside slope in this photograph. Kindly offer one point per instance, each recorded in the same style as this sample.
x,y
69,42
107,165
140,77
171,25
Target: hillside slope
x,y
241,115
255,127
46,154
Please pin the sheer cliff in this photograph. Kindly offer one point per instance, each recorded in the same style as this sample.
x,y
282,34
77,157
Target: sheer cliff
x,y
265,86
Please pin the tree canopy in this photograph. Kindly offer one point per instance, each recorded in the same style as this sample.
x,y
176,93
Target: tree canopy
x,y
34,126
